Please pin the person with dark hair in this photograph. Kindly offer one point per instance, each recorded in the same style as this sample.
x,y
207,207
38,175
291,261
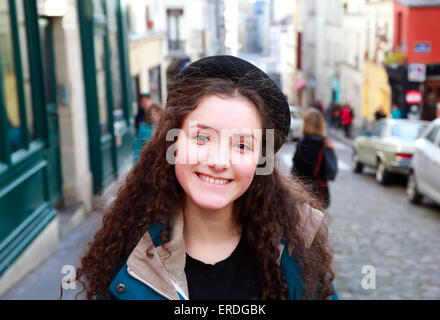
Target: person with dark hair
x,y
205,212
308,162
379,114
144,103
145,130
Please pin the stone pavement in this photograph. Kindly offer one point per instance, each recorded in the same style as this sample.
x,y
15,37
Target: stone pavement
x,y
44,282
375,225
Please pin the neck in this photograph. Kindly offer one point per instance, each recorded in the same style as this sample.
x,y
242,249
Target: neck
x,y
209,226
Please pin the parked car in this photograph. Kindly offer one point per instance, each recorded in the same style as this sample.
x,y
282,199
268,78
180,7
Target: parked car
x,y
424,179
389,147
296,123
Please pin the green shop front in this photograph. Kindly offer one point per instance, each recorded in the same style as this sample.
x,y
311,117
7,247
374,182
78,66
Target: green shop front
x,y
107,82
31,184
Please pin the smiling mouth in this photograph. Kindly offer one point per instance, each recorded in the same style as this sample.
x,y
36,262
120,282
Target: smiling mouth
x,y
212,180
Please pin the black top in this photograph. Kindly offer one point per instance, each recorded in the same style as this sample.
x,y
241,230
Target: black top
x,y
306,157
234,278
305,161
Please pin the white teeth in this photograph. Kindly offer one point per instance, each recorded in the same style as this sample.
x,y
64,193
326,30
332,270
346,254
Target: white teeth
x,y
212,180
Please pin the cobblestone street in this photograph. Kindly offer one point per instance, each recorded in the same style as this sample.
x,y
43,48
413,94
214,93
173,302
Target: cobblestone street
x,y
371,225
376,225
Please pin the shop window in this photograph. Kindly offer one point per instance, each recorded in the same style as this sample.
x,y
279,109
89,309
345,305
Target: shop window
x,y
101,81
25,68
9,78
16,84
98,6
114,60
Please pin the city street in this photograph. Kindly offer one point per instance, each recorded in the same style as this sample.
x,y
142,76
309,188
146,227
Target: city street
x,y
375,225
371,225
85,85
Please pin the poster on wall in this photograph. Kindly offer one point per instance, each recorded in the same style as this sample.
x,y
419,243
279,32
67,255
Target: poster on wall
x,y
416,72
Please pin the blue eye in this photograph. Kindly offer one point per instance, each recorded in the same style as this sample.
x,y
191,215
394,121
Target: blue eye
x,y
201,138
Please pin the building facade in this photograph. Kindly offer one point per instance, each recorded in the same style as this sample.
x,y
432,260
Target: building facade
x,y
352,69
147,33
64,119
195,29
414,67
319,29
379,45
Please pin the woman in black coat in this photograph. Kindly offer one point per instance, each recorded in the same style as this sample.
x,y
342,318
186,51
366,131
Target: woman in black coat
x,y
308,165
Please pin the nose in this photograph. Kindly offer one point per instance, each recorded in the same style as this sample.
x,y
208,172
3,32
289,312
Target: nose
x,y
218,158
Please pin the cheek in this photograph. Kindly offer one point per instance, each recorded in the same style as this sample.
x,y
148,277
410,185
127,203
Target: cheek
x,y
245,173
181,171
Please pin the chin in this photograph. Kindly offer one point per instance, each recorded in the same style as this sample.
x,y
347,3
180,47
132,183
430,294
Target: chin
x,y
212,204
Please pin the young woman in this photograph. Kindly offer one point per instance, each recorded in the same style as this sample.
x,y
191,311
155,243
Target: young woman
x,y
307,164
195,218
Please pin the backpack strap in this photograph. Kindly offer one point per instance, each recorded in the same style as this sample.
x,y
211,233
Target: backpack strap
x,y
319,161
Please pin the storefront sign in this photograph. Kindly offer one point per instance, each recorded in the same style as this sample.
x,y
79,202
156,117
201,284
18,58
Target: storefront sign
x,y
416,72
422,47
413,97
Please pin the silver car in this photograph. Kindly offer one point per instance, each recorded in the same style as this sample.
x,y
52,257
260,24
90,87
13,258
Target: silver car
x,y
424,179
296,123
389,147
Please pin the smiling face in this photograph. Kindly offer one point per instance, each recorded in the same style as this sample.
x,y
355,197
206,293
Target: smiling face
x,y
214,164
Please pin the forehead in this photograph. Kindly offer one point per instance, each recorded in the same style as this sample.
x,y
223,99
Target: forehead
x,y
225,113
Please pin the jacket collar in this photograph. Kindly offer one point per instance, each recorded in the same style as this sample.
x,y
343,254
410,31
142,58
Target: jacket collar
x,y
165,270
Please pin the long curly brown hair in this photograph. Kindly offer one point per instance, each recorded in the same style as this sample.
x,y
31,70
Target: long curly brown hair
x,y
267,211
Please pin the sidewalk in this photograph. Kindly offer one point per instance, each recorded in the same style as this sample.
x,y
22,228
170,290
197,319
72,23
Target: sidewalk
x,y
44,282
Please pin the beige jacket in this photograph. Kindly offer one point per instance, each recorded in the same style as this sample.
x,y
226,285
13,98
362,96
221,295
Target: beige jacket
x,y
165,274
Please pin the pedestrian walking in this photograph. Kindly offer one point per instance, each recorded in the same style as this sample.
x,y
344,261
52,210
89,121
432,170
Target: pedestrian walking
x,y
144,103
379,114
311,155
336,115
195,218
396,113
145,130
346,119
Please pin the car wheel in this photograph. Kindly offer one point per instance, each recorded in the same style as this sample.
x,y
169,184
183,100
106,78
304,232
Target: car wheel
x,y
413,194
382,175
356,165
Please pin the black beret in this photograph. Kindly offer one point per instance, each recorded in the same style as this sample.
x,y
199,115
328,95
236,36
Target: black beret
x,y
247,74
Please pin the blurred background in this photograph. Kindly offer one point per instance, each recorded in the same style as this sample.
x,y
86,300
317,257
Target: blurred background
x,y
72,72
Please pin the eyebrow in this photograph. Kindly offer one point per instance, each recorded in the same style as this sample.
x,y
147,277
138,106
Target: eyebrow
x,y
204,126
